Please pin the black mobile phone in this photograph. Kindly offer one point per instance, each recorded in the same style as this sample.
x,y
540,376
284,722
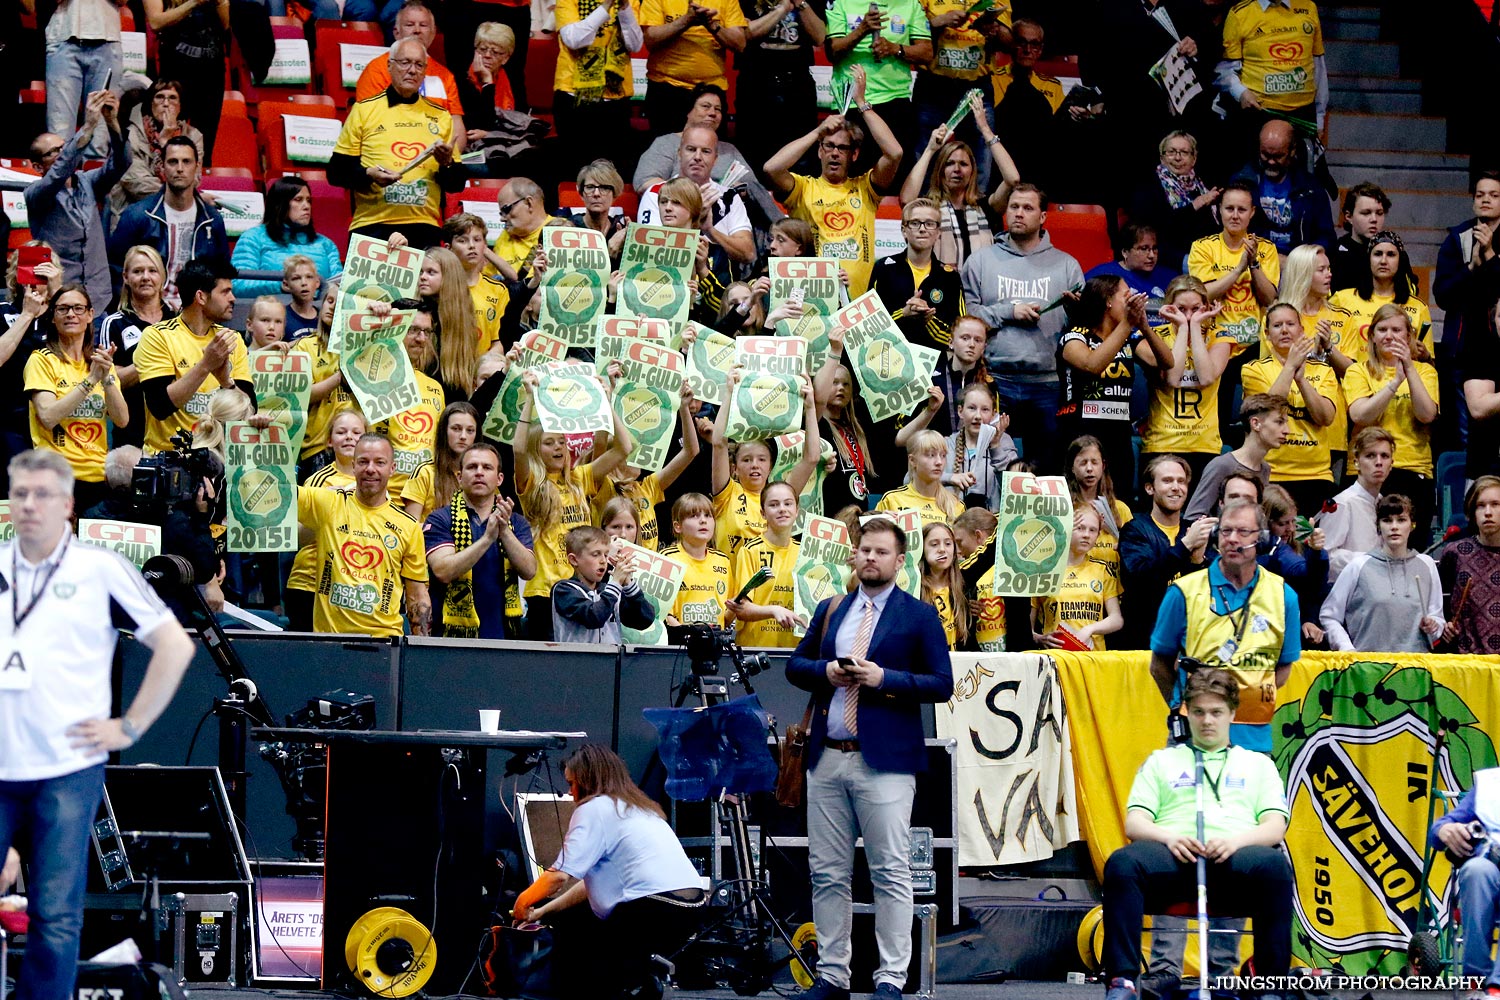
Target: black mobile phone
x,y
847,662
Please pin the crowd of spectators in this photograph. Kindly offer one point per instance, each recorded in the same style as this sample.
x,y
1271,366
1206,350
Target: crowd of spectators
x,y
1237,347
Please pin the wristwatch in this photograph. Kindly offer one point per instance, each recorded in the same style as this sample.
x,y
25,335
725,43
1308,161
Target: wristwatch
x,y
864,108
129,729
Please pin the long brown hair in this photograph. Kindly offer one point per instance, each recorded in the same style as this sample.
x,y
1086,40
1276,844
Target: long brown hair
x,y
970,194
445,461
597,770
457,334
849,423
53,341
953,579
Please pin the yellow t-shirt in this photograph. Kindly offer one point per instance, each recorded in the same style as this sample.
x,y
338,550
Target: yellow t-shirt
x,y
645,493
941,509
1080,602
617,85
959,52
1305,456
304,573
695,56
1171,531
320,415
1185,420
989,615
551,555
737,517
382,134
1277,47
421,488
1355,342
941,598
413,432
1413,439
1336,433
517,251
1106,550
364,554
167,350
779,591
81,436
1210,259
1049,87
706,585
491,295
843,219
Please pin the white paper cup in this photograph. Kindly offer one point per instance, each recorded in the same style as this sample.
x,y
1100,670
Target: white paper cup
x,y
489,720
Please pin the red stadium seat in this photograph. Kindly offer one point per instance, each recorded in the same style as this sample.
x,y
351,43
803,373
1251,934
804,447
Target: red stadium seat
x,y
236,146
330,37
331,213
36,93
235,105
478,189
229,179
322,100
1083,231
286,27
541,72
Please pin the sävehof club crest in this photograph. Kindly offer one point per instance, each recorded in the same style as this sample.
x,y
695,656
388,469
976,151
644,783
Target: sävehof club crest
x,y
1356,754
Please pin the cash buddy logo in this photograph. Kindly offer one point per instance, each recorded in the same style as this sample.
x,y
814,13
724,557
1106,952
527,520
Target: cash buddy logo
x,y
1356,754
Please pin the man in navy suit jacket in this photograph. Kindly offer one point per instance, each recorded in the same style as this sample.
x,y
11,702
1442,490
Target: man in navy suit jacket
x,y
878,657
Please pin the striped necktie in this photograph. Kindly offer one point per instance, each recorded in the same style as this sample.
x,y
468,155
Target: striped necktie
x,y
861,646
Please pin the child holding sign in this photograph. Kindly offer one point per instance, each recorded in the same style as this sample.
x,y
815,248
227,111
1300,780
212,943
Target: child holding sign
x,y
600,596
710,578
943,582
765,615
738,481
926,458
1088,606
554,498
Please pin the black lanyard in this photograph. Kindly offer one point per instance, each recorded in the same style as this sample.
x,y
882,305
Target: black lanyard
x,y
1213,783
1239,626
37,593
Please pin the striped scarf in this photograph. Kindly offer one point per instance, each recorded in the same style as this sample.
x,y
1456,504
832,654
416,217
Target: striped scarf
x,y
460,619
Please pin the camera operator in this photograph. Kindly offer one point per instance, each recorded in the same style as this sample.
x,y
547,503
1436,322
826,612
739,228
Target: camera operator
x,y
182,361
1478,877
142,493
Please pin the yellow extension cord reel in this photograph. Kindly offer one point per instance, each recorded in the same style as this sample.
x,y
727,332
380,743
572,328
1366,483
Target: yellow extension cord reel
x,y
805,941
391,952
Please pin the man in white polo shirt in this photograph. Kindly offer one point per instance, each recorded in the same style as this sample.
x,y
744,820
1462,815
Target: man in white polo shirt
x,y
59,599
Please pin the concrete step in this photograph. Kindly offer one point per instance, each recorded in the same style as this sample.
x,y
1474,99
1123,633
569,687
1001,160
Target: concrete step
x,y
1362,131
1374,102
1366,81
1356,155
1333,15
1353,171
1427,209
1370,58
1351,31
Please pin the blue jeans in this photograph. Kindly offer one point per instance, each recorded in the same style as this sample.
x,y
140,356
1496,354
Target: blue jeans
x,y
52,817
74,71
1478,897
1033,421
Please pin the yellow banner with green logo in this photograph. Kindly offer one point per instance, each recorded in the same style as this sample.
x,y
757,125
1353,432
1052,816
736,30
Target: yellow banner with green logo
x,y
1354,738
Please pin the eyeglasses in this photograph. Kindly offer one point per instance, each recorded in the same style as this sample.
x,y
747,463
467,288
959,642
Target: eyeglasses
x,y
837,147
41,496
68,308
405,64
598,189
921,225
1239,532
1028,43
491,50
505,210
1148,249
1177,152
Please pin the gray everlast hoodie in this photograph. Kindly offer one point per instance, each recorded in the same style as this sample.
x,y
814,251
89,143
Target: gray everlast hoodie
x,y
997,278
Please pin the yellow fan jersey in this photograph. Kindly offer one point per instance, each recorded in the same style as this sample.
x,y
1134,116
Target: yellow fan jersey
x,y
737,517
843,219
706,586
304,573
167,350
645,493
941,509
551,555
413,432
989,615
363,554
1185,420
1080,602
1355,342
1276,47
1413,439
81,437
320,415
382,134
779,591
491,296
1305,455
1209,259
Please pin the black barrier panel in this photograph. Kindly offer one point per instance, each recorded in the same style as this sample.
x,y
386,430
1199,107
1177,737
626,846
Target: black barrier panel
x,y
288,668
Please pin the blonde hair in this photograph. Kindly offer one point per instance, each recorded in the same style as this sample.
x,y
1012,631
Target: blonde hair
x,y
296,260
496,34
601,171
1390,310
1185,283
127,297
953,579
539,501
927,443
457,334
224,406
616,507
269,301
1297,275
685,193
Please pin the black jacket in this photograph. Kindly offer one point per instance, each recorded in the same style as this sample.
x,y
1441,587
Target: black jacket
x,y
1148,565
892,280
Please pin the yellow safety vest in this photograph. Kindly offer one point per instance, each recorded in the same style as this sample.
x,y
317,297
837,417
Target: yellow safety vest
x,y
1247,642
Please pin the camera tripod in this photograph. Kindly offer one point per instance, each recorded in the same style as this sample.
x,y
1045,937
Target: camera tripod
x,y
737,940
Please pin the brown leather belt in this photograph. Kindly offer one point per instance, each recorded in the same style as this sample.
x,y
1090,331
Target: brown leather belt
x,y
843,746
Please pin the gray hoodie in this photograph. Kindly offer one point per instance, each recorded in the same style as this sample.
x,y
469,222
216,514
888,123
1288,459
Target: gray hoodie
x,y
1377,604
997,278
